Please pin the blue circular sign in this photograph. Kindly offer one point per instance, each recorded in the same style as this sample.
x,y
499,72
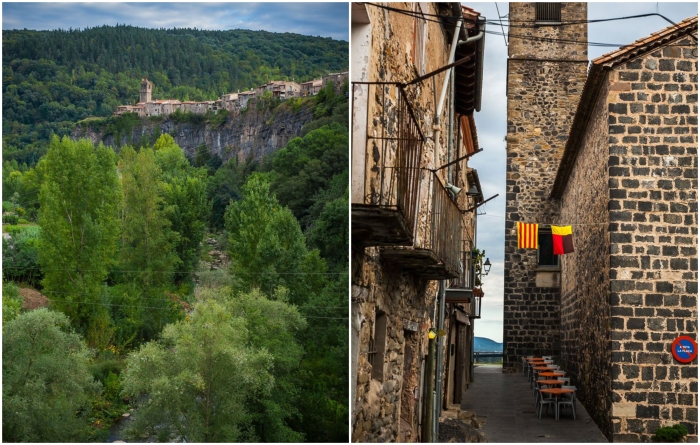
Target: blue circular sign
x,y
684,349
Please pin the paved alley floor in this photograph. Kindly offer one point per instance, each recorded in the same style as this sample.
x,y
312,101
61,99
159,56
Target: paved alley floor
x,y
507,402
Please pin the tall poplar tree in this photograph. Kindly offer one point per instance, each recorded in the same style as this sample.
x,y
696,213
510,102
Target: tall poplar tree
x,y
147,240
79,198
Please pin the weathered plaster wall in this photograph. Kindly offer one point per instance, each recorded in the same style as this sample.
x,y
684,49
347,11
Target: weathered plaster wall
x,y
385,410
585,286
653,168
543,88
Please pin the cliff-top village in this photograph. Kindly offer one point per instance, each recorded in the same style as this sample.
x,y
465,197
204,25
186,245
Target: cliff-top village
x,y
280,89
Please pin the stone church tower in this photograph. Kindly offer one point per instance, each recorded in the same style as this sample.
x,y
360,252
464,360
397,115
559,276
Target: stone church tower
x,y
547,63
146,90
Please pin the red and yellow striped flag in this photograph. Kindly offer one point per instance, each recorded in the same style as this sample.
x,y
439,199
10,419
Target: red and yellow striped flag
x,y
527,235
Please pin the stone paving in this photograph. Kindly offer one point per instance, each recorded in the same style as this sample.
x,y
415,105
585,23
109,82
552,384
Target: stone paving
x,y
507,403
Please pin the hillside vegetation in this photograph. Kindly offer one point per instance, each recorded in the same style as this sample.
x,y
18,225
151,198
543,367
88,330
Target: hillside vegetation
x,y
206,299
52,79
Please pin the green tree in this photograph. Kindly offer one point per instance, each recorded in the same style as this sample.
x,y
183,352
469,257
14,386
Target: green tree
x,y
46,385
198,377
273,325
147,240
266,246
307,166
79,197
186,206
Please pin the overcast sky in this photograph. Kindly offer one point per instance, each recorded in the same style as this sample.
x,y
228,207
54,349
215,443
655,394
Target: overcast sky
x,y
491,125
313,19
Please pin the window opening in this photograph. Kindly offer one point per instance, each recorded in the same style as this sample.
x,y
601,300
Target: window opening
x,y
377,346
545,249
548,13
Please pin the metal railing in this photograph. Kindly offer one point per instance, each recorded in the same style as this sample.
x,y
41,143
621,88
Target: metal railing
x,y
444,235
465,280
388,154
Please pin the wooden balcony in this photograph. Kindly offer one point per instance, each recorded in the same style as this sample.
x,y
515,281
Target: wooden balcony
x,y
386,153
435,251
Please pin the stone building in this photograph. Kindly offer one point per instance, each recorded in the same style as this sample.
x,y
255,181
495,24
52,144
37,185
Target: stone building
x,y
146,91
624,175
545,79
413,221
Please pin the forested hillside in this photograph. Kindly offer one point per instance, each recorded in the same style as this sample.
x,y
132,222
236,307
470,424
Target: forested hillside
x,y
52,79
206,300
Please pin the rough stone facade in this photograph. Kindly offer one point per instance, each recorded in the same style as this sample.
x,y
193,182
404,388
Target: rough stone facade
x,y
393,307
628,186
585,306
544,83
653,167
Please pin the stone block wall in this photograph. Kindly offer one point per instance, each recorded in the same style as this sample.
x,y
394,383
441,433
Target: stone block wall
x,y
653,168
585,285
543,88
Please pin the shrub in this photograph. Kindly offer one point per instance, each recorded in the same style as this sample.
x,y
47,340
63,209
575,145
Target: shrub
x,y
670,433
10,218
22,221
11,302
20,255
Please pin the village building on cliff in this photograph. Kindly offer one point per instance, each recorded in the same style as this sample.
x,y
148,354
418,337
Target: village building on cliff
x,y
279,89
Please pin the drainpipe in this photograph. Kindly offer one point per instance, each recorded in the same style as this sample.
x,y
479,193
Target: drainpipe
x,y
471,358
439,366
441,102
427,425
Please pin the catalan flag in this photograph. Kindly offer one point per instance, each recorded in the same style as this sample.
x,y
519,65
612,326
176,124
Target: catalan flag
x,y
562,240
527,236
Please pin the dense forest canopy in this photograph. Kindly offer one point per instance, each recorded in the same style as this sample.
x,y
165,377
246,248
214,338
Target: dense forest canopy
x,y
52,79
141,317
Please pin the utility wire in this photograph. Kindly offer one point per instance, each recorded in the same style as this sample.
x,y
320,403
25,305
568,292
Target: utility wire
x,y
422,16
501,22
240,314
173,272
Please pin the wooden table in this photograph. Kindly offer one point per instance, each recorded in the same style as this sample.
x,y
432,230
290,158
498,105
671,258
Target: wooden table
x,y
552,374
556,392
550,382
544,368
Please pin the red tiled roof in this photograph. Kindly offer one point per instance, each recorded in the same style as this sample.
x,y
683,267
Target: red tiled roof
x,y
597,75
647,43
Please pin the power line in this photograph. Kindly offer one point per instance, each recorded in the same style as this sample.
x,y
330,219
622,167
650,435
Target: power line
x,y
174,272
240,314
422,16
501,22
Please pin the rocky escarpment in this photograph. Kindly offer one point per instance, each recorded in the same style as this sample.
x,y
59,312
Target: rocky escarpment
x,y
251,134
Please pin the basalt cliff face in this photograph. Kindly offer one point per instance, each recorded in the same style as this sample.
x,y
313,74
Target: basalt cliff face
x,y
248,135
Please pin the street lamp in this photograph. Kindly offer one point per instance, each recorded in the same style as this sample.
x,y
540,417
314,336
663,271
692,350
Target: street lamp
x,y
487,267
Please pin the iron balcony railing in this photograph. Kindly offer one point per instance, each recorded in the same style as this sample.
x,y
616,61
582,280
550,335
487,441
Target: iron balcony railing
x,y
446,226
386,155
465,280
464,289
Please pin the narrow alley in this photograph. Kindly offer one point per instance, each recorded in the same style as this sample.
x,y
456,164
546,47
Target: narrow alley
x,y
507,403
